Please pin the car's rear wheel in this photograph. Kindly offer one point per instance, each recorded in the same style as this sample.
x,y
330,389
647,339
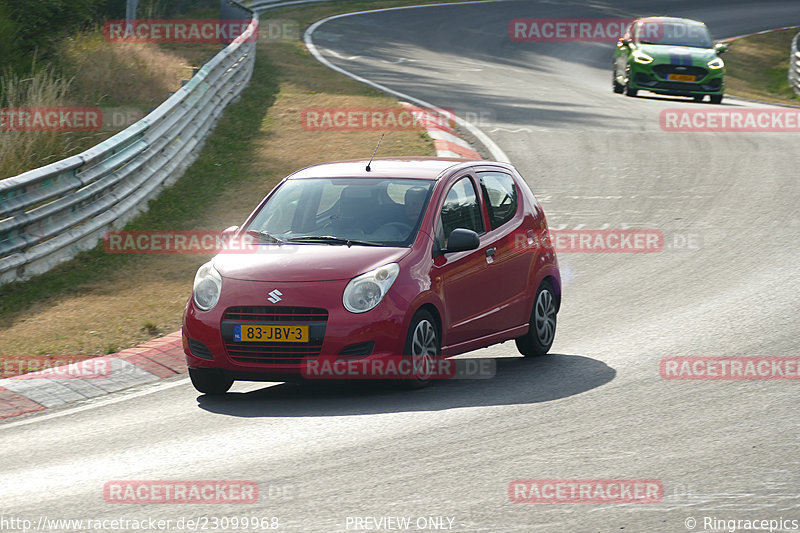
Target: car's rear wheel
x,y
618,87
423,348
209,380
716,98
699,97
542,330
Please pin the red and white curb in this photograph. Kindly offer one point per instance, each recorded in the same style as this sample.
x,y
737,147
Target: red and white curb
x,y
445,139
146,363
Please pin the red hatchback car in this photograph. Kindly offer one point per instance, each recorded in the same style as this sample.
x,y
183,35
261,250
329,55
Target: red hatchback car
x,y
418,258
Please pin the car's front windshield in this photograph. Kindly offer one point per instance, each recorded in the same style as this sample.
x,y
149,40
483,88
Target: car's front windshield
x,y
365,211
674,34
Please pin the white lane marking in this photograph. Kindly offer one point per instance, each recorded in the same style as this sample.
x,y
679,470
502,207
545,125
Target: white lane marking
x,y
497,152
508,130
340,56
116,398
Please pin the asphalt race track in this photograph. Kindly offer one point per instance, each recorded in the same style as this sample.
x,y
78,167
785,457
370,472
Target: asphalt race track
x,y
725,284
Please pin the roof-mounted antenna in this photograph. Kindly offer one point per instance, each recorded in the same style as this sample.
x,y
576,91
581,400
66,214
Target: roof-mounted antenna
x,y
373,153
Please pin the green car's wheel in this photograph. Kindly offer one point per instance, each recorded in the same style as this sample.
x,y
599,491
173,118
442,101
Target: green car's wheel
x,y
699,97
618,88
629,91
716,98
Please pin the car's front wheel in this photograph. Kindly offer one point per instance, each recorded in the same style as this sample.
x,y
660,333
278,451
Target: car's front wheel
x,y
618,87
629,91
716,98
542,329
209,380
422,348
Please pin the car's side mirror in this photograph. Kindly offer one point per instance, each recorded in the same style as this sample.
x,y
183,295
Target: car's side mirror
x,y
721,48
461,240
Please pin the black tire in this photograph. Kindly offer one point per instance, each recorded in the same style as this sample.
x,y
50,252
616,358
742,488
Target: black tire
x,y
542,330
699,97
423,346
629,91
618,88
209,381
716,98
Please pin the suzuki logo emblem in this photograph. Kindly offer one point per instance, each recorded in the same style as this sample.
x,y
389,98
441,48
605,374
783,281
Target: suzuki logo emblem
x,y
275,296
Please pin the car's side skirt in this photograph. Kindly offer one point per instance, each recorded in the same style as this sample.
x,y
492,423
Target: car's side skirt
x,y
483,342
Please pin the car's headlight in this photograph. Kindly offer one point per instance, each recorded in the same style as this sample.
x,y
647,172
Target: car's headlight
x,y
367,290
716,63
207,287
641,57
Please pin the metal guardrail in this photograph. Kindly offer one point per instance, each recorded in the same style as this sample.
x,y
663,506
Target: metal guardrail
x,y
49,214
794,65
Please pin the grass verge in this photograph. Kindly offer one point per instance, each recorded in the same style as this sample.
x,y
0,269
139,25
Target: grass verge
x,y
101,303
757,67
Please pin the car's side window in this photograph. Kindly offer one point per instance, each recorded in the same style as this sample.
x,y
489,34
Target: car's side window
x,y
461,209
500,195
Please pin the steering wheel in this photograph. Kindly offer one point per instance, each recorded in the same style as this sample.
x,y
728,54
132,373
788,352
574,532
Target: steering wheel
x,y
401,228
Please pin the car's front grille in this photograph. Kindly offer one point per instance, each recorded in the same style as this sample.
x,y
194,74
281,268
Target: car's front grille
x,y
678,86
664,70
270,353
276,314
273,353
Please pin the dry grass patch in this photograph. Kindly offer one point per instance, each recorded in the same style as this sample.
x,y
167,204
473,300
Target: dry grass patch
x,y
90,73
757,67
141,73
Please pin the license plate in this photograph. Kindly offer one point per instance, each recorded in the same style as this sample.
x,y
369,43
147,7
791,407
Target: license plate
x,y
681,77
259,333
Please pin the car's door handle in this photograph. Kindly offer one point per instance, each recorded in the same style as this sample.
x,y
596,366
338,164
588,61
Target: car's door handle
x,y
490,252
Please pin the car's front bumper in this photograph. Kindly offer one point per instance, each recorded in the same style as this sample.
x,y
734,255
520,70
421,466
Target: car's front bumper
x,y
653,77
334,332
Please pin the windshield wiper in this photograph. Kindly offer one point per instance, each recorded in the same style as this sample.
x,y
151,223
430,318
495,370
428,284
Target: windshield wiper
x,y
330,239
270,236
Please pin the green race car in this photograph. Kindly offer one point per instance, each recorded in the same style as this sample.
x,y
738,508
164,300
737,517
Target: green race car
x,y
667,55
